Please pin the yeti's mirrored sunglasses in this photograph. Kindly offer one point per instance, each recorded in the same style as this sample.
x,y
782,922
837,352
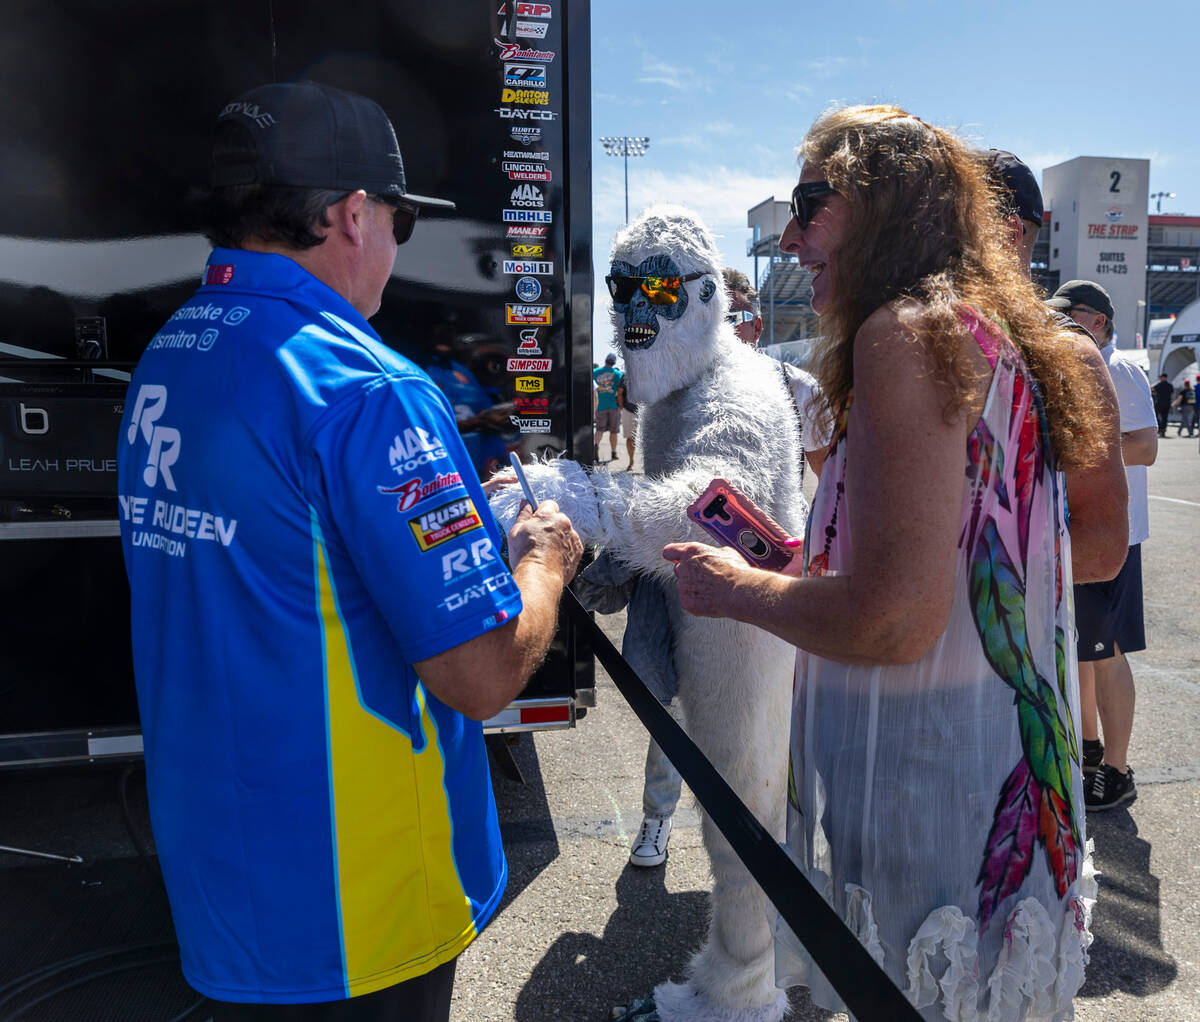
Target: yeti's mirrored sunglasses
x,y
739,316
804,200
659,290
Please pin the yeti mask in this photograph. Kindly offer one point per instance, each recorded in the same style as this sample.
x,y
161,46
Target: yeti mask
x,y
668,311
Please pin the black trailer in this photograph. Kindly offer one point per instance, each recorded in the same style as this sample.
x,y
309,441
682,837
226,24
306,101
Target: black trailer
x,y
107,108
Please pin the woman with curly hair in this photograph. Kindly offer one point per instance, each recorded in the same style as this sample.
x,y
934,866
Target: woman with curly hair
x,y
935,792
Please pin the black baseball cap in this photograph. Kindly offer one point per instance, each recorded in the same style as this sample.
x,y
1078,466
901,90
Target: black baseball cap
x,y
1018,181
610,359
309,135
1082,292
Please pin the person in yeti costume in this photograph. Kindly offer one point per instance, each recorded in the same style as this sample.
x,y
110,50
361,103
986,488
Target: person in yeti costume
x,y
708,406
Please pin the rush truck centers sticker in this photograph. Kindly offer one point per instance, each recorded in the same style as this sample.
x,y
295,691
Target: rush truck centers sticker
x,y
443,523
527,315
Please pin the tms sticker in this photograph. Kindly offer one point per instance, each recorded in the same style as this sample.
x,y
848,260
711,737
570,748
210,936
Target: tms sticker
x,y
529,365
530,384
412,492
526,315
461,562
444,523
528,289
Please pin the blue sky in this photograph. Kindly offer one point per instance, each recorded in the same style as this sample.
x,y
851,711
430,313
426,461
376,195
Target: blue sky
x,y
726,91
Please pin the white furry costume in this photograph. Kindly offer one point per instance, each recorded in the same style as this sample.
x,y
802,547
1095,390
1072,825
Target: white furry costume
x,y
708,406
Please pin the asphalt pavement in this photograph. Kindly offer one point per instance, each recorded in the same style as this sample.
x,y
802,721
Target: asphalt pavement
x,y
580,930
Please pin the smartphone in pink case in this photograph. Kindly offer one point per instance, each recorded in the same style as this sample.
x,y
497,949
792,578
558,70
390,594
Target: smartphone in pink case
x,y
733,519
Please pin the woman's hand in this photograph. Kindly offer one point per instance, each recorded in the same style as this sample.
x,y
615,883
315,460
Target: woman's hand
x,y
706,577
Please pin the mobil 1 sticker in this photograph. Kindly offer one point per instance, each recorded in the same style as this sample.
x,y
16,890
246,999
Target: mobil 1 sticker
x,y
526,266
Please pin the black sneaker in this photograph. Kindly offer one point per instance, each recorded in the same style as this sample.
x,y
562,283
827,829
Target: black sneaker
x,y
1109,788
1093,756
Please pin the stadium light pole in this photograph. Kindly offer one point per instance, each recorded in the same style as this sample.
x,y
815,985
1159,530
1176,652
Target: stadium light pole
x,y
1160,196
626,147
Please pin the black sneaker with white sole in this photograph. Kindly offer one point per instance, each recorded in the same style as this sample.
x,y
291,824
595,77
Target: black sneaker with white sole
x,y
1109,788
1093,756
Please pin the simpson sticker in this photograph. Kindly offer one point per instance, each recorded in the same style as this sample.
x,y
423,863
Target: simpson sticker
x,y
529,365
444,523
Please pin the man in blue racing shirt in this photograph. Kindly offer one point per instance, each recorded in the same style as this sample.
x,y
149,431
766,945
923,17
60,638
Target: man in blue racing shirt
x,y
320,612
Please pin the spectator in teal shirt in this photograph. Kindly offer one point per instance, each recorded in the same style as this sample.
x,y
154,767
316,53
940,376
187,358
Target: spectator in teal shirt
x,y
608,413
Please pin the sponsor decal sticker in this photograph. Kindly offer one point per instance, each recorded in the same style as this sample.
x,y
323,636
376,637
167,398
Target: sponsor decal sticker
x,y
528,196
530,425
498,618
538,269
529,76
525,134
531,405
525,10
444,523
526,315
528,289
218,273
412,491
531,30
514,51
516,154
530,384
530,97
529,343
526,231
528,250
1114,214
415,448
529,365
462,562
524,113
500,582
525,171
528,216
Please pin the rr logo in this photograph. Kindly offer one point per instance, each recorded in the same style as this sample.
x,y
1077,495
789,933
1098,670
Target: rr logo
x,y
163,440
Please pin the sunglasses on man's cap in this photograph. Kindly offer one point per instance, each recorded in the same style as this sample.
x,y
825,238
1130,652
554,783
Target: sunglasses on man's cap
x,y
805,200
659,290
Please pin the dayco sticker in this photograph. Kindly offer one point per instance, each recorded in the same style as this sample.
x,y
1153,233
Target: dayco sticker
x,y
524,113
527,315
529,365
443,523
530,384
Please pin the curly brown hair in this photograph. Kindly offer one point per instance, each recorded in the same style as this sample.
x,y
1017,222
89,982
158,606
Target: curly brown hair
x,y
925,223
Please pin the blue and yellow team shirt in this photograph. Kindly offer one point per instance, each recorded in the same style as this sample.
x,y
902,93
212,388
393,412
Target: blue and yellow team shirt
x,y
300,525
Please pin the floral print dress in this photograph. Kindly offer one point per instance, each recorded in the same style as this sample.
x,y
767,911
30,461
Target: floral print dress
x,y
938,805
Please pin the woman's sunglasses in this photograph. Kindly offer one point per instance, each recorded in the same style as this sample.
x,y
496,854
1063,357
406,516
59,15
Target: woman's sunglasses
x,y
805,202
659,290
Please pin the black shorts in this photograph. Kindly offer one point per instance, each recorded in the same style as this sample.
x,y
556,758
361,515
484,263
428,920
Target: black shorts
x,y
424,999
1108,613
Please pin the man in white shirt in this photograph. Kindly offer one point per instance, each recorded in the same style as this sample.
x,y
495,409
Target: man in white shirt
x,y
1109,614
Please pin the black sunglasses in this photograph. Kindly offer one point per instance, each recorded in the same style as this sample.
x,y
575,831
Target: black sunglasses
x,y
804,206
660,290
404,217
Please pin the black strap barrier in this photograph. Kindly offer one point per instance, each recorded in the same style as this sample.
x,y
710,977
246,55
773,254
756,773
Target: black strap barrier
x,y
860,981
